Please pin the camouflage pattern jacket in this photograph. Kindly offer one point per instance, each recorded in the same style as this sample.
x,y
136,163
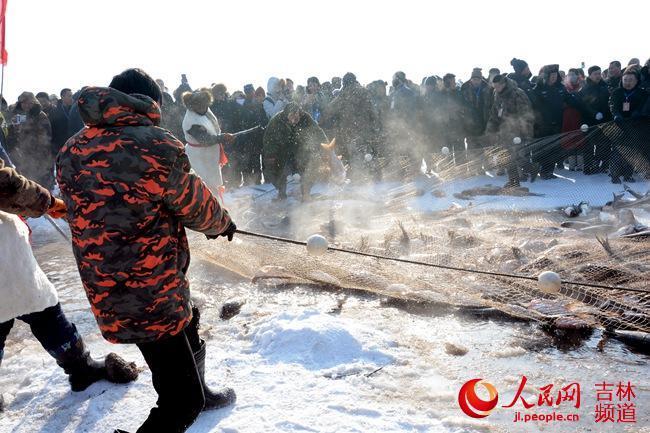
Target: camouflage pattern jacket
x,y
511,115
130,194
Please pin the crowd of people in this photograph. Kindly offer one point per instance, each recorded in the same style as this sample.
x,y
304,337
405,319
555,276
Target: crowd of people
x,y
402,123
129,188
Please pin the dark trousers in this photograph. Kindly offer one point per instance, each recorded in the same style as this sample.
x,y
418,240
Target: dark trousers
x,y
176,380
50,327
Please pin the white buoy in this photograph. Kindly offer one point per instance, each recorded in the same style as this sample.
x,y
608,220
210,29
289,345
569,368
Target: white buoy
x,y
316,245
445,150
584,127
368,157
549,282
516,141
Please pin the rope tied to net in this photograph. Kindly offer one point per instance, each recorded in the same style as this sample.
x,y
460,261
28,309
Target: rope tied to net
x,y
439,266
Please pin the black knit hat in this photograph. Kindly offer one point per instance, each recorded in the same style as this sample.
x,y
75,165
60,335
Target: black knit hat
x,y
593,69
518,65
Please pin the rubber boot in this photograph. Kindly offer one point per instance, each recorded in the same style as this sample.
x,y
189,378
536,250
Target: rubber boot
x,y
213,399
83,370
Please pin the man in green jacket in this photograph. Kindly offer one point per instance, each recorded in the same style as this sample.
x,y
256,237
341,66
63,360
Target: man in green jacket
x,y
292,143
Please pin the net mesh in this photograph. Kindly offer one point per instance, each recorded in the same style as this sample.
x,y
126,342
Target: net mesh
x,y
601,246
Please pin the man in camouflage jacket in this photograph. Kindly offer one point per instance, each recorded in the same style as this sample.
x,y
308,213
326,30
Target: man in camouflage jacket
x,y
130,195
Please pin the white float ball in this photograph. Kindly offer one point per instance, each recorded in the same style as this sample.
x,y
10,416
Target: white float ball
x,y
549,282
516,140
445,150
316,245
584,127
368,157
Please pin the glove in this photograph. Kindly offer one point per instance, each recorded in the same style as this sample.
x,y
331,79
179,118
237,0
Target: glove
x,y
57,208
618,120
599,116
229,138
228,233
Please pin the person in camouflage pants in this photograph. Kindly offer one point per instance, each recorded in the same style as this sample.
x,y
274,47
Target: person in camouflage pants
x,y
130,195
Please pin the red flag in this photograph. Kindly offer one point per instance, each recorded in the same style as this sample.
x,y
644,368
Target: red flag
x,y
3,51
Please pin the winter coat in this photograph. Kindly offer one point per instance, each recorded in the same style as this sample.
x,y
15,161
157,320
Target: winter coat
x,y
314,106
571,122
298,146
511,115
404,104
595,99
352,119
172,116
252,114
32,148
274,101
75,122
450,114
636,98
548,104
614,83
478,103
60,132
227,113
130,194
645,78
522,81
25,288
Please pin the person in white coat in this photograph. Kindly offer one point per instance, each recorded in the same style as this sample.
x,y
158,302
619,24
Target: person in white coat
x,y
29,296
205,142
275,100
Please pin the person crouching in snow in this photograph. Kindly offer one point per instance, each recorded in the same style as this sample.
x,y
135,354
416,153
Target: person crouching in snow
x,y
28,295
205,140
131,194
292,143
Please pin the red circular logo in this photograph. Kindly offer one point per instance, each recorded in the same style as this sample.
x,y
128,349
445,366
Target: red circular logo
x,y
472,404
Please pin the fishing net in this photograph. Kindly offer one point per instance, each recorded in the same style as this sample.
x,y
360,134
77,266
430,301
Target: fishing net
x,y
477,246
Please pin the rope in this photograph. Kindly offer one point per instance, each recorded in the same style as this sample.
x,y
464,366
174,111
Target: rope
x,y
446,267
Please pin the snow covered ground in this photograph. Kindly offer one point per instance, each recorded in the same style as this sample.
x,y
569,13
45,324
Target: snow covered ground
x,y
298,363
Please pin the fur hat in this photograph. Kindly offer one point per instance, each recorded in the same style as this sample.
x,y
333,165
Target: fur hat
x,y
198,100
518,65
633,70
549,69
501,78
248,88
477,73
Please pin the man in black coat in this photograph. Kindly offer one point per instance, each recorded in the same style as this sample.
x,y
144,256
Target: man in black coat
x,y
627,105
522,74
59,120
549,98
614,75
251,114
595,102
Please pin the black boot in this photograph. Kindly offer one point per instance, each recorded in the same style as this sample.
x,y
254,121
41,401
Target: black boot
x,y
83,370
213,400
